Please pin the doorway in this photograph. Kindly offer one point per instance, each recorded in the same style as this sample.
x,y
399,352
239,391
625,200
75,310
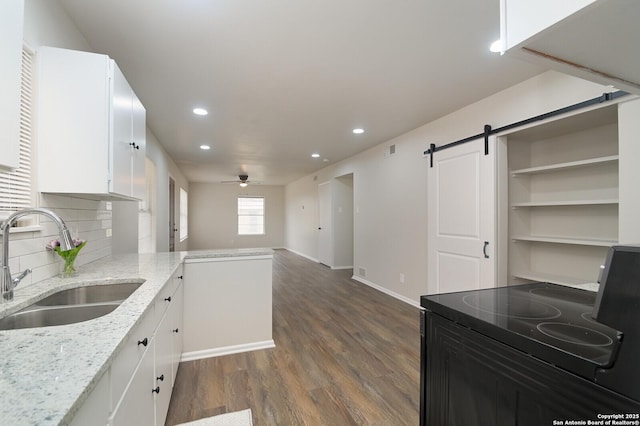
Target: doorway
x,y
325,234
336,223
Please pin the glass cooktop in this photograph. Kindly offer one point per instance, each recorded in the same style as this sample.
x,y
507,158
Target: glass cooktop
x,y
548,321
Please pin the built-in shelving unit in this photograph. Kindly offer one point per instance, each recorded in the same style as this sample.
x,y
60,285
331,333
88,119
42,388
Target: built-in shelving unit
x,y
563,197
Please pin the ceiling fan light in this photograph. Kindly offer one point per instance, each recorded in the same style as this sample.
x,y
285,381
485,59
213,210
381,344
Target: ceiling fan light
x,y
243,184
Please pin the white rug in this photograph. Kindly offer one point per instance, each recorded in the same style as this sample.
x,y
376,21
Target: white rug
x,y
237,418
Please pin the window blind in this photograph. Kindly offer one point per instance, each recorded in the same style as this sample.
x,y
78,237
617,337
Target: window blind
x,y
250,215
15,186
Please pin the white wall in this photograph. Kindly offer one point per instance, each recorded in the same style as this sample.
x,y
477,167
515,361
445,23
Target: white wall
x,y
390,192
213,220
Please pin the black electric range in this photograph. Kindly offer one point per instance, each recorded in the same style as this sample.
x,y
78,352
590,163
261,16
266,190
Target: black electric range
x,y
551,322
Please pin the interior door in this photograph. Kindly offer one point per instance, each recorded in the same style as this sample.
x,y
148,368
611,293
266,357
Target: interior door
x,y
462,218
325,240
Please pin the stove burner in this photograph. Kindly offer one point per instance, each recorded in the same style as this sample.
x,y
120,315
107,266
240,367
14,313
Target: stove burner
x,y
567,294
574,334
511,306
587,316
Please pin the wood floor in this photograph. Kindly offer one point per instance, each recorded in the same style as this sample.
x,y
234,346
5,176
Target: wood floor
x,y
345,354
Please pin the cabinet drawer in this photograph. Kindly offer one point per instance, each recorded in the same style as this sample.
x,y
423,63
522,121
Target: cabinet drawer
x,y
165,297
135,347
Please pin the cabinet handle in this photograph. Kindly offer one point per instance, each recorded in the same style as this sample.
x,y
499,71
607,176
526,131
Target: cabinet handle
x,y
167,299
484,249
175,331
180,277
161,378
133,145
156,390
143,342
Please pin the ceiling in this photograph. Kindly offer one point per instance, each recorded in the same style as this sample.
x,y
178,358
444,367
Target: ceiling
x,y
283,79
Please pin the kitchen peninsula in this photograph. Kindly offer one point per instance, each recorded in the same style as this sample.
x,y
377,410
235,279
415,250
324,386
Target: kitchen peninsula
x,y
57,375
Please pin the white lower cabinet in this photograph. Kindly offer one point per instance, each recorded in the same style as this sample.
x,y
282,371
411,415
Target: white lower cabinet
x,y
146,399
136,407
163,374
136,390
95,410
176,315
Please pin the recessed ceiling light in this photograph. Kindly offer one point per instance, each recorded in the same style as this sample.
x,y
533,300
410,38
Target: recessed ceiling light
x,y
200,111
496,46
315,155
358,131
205,147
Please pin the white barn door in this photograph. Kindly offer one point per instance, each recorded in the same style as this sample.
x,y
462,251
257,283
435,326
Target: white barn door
x,y
462,218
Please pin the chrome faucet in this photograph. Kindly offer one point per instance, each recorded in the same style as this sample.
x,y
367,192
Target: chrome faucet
x,y
7,282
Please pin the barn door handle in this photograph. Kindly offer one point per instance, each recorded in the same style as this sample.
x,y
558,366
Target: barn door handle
x,y
484,249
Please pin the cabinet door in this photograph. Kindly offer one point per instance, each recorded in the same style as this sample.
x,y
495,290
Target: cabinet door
x,y
121,139
176,330
163,369
139,138
462,218
137,405
74,93
11,19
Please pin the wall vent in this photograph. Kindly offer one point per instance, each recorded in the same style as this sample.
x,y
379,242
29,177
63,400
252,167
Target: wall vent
x,y
362,272
389,151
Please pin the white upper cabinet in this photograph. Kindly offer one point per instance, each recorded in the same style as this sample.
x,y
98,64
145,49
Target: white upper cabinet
x,y
91,127
11,19
591,39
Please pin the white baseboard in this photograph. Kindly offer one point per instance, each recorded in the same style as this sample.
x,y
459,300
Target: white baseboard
x,y
303,255
387,291
227,350
342,267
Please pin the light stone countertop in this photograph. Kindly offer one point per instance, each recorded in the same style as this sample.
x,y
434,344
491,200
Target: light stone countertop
x,y
47,373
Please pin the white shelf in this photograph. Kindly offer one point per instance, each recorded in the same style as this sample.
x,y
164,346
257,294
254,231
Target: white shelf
x,y
550,278
563,186
564,166
563,240
565,203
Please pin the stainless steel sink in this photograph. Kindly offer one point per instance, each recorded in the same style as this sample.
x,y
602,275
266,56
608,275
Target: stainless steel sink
x,y
70,306
90,294
55,315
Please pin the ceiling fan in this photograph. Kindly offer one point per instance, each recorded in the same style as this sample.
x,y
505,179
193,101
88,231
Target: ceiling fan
x,y
243,180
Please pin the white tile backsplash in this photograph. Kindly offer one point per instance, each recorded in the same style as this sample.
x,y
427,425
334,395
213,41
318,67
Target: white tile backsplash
x,y
86,219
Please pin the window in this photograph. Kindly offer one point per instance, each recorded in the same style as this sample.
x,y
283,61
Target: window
x,y
15,186
250,215
184,215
